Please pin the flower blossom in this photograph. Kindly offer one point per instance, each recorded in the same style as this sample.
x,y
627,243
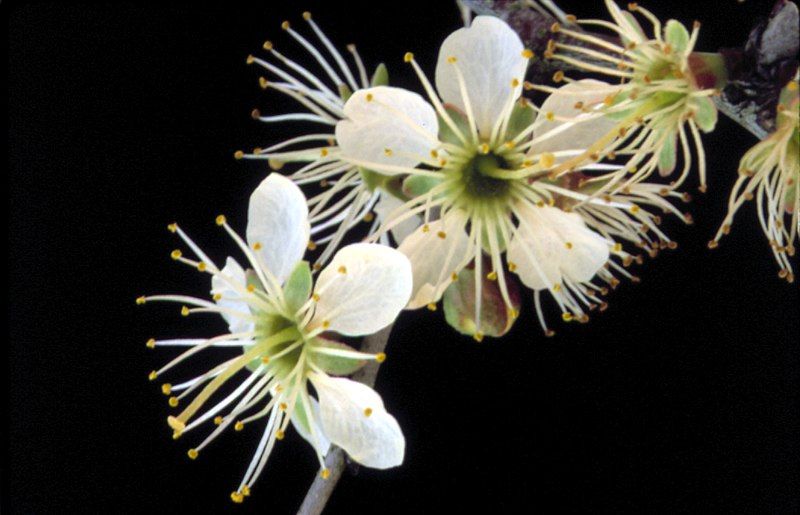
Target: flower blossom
x,y
770,173
658,97
477,162
284,328
350,195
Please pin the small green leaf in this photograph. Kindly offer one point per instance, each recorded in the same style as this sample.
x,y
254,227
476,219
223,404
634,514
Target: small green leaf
x,y
667,157
705,114
335,365
372,180
676,35
459,304
522,117
381,76
416,185
297,288
345,92
461,122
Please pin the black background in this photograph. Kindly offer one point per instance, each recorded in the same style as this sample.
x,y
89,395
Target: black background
x,y
124,117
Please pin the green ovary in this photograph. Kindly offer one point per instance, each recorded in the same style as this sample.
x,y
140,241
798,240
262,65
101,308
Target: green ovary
x,y
477,181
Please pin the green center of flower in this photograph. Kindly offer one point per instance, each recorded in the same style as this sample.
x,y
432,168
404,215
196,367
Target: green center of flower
x,y
479,177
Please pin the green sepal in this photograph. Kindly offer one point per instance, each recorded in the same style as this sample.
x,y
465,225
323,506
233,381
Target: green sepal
x,y
251,279
676,35
667,156
416,185
380,77
297,288
705,114
501,241
522,117
460,120
335,365
459,305
372,180
345,92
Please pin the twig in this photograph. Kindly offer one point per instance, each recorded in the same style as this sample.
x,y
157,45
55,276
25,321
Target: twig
x,y
321,489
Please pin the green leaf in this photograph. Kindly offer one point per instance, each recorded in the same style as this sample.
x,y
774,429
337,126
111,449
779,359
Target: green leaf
x,y
460,120
335,365
297,288
522,117
676,35
705,114
416,185
380,77
459,305
667,157
345,92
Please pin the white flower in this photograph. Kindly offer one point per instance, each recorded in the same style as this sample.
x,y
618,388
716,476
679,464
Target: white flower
x,y
770,173
348,197
283,326
478,160
658,96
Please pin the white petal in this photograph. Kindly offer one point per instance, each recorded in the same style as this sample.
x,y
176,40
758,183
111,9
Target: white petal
x,y
323,445
434,259
354,418
551,245
578,135
278,220
363,289
489,56
387,125
385,206
231,298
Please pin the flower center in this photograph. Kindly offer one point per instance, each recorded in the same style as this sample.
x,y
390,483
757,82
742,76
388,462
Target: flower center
x,y
479,177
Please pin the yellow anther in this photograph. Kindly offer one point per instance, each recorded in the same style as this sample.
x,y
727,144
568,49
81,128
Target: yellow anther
x,y
512,266
265,359
141,300
434,154
555,27
792,86
568,245
478,337
315,297
634,209
185,311
547,160
454,277
255,114
237,497
238,154
166,388
217,420
306,15
238,426
325,473
285,25
311,245
316,267
556,288
432,306
342,269
217,296
283,406
426,228
257,246
608,100
408,57
558,76
571,18
617,247
173,402
514,82
152,375
633,6
452,59
176,424
509,144
192,453
492,276
369,217
713,244
527,53
220,220
263,82
380,357
279,434
566,317
367,412
323,152
246,491
250,59
441,234
369,97
550,116
251,288
513,313
484,148
176,435
173,228
267,45
201,266
326,324
387,152
151,343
